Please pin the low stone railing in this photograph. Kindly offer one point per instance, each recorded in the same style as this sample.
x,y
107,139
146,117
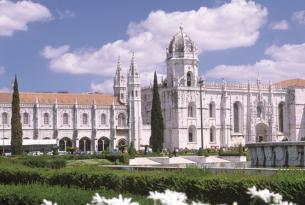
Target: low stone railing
x,y
277,154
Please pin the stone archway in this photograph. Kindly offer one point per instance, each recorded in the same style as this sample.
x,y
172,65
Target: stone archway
x,y
64,143
103,144
261,130
85,144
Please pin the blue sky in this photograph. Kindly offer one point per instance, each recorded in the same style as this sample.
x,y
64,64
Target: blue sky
x,y
63,46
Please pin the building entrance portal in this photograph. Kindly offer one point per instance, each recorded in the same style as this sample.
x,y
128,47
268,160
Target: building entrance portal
x,y
261,132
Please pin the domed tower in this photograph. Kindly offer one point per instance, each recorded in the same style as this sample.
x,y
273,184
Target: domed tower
x,y
182,61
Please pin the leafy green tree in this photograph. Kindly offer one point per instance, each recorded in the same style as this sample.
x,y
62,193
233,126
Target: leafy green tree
x,y
132,150
16,128
157,127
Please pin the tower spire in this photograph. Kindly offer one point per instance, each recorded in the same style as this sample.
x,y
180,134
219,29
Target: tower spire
x,y
132,64
118,69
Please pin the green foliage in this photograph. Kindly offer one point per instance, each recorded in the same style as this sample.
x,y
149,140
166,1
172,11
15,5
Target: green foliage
x,y
233,151
34,194
16,127
55,151
44,163
157,126
200,152
126,158
198,184
71,150
170,154
303,138
132,150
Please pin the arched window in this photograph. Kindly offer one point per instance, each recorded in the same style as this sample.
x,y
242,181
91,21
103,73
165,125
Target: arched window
x,y
65,143
281,117
46,118
121,120
192,134
25,118
191,110
212,110
103,119
103,144
189,78
85,118
237,116
212,134
4,118
65,118
85,144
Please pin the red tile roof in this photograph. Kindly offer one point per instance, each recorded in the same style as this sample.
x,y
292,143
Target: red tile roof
x,y
62,98
291,82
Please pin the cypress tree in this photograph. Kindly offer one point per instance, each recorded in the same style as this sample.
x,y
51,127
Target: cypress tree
x,y
157,127
16,128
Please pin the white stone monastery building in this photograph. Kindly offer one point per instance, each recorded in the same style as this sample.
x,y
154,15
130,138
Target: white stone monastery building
x,y
196,112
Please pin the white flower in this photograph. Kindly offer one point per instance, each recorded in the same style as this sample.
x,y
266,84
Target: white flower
x,y
286,203
46,202
264,195
199,203
169,197
252,191
97,200
276,198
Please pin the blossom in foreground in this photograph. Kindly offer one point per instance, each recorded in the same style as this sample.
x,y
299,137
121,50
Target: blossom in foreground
x,y
268,197
168,197
46,202
177,198
98,200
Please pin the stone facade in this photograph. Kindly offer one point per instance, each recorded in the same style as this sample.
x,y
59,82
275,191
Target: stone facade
x,y
232,113
227,114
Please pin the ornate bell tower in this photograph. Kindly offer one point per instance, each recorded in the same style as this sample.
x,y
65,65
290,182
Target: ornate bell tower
x,y
134,102
120,84
182,61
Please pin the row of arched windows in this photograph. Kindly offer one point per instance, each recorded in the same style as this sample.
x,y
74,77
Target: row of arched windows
x,y
237,114
192,134
191,110
65,119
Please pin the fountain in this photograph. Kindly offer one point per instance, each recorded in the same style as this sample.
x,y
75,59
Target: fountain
x,y
277,154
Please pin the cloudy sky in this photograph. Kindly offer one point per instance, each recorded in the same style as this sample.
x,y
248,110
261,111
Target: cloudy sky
x,y
57,45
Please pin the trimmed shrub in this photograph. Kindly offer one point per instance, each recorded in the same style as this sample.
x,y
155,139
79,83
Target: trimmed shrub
x,y
44,163
34,194
200,152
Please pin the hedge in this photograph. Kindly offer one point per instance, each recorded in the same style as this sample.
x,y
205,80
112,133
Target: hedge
x,y
34,194
205,187
55,163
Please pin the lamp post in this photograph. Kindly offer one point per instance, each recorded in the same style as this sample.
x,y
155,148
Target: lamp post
x,y
201,115
3,139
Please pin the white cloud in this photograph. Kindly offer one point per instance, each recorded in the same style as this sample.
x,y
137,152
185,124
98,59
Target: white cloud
x,y
5,90
281,25
50,52
2,70
284,62
104,87
299,17
15,16
231,25
64,14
